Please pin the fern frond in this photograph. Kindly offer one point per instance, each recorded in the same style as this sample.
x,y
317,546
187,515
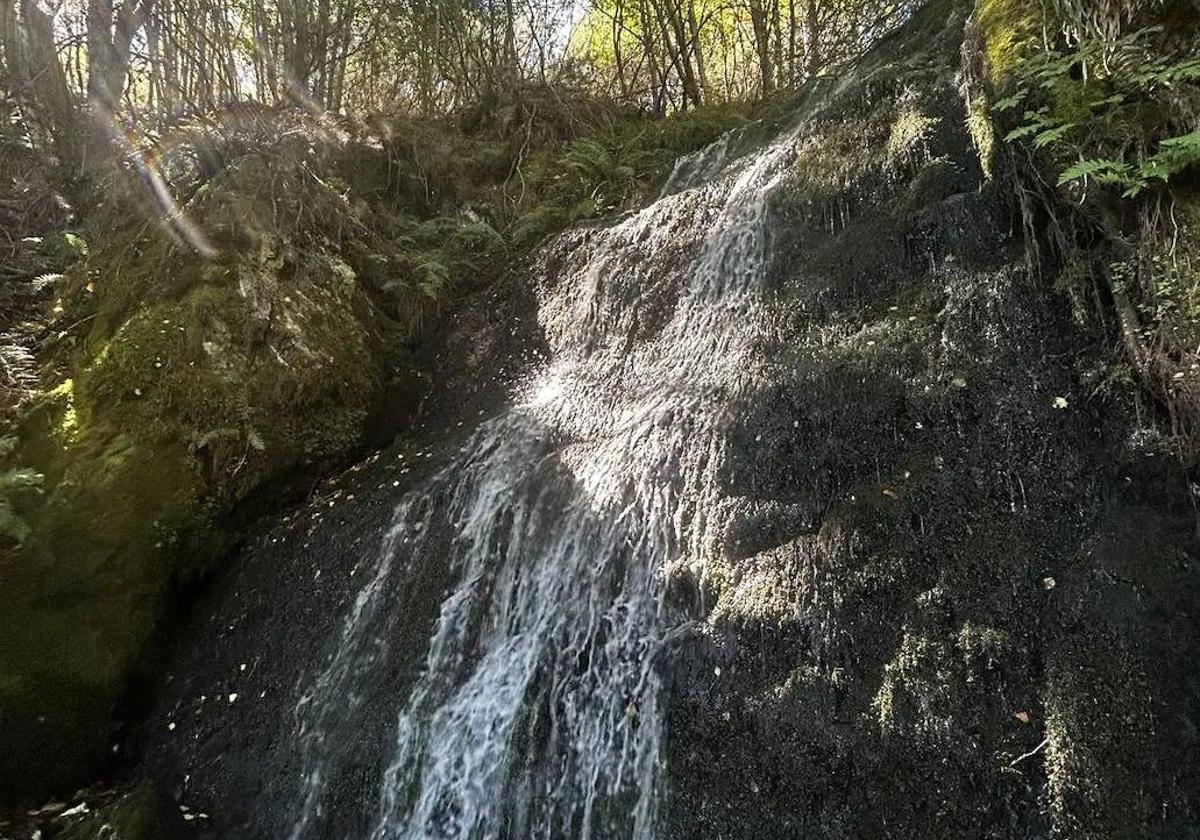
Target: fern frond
x,y
1104,171
1008,103
1052,135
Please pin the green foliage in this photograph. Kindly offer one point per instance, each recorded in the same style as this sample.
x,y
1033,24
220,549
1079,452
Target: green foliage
x,y
1174,156
1110,111
607,166
12,483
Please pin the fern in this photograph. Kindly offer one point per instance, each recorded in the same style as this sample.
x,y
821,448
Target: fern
x,y
1009,103
1052,135
13,482
1178,153
1111,96
434,277
1103,171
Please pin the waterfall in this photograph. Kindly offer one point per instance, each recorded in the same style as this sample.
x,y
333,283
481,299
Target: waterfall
x,y
538,712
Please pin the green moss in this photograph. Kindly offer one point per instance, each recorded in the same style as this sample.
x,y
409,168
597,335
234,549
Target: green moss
x,y
247,376
983,134
228,374
1175,266
909,132
1011,30
917,676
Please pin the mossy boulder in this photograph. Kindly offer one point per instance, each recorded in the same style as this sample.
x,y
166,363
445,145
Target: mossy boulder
x,y
198,382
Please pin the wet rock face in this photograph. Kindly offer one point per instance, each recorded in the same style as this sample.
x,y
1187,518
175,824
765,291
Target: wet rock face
x,y
222,734
919,629
145,813
950,594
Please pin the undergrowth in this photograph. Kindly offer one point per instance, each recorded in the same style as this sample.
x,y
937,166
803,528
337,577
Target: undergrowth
x,y
1120,113
1100,104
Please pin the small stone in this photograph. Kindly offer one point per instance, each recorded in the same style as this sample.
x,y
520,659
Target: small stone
x,y
1049,583
1060,403
232,697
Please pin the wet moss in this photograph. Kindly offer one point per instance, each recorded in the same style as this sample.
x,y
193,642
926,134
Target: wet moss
x,y
983,134
1011,29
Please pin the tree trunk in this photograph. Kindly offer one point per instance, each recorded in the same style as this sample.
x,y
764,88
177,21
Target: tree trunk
x,y
697,48
100,53
812,39
33,63
657,83
762,44
682,53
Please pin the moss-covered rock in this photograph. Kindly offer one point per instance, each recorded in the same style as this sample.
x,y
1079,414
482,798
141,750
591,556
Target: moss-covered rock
x,y
198,381
1011,30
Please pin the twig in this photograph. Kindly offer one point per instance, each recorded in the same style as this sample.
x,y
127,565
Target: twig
x,y
1031,753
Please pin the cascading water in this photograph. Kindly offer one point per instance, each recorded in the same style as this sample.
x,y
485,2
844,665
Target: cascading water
x,y
537,713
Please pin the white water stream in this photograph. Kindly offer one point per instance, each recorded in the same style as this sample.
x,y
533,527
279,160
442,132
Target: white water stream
x,y
538,713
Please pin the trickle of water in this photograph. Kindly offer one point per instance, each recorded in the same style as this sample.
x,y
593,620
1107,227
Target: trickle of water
x,y
538,712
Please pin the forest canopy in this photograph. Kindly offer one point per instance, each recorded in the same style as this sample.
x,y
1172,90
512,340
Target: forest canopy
x,y
144,62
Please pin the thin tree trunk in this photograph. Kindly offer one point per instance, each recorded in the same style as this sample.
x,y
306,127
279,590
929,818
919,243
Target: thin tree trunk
x,y
657,80
812,39
43,77
681,55
697,49
762,45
